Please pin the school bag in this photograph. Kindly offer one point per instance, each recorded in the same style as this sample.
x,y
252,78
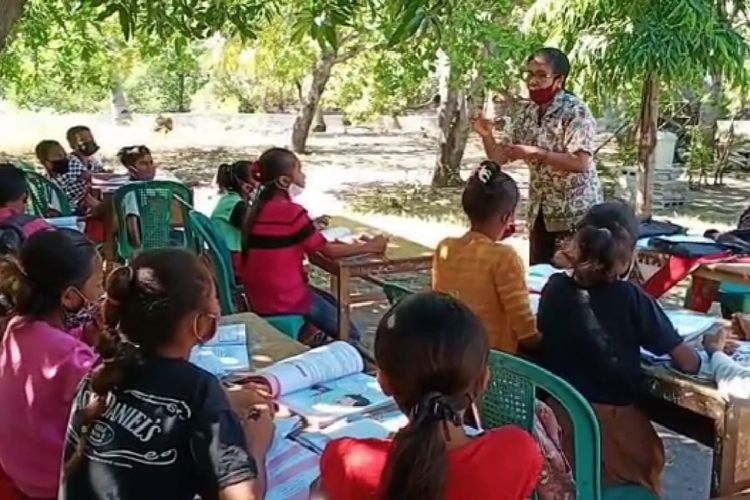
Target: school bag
x,y
13,233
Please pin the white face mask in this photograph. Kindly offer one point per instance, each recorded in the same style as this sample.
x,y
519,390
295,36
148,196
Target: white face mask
x,y
295,191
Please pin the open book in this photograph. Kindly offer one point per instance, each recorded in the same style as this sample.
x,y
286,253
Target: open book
x,y
538,275
325,384
225,353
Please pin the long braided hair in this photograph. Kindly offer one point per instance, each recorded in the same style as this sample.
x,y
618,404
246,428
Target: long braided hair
x,y
145,305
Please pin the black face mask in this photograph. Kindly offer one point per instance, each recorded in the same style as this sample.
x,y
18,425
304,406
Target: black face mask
x,y
60,166
88,148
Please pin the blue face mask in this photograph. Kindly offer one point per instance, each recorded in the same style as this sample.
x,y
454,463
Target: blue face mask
x,y
84,315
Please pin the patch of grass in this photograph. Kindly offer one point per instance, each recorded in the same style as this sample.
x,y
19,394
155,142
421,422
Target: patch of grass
x,y
405,199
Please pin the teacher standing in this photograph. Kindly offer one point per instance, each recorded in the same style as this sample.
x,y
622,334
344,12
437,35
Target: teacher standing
x,y
554,135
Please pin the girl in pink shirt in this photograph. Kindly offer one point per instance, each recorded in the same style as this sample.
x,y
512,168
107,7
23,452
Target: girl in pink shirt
x,y
42,360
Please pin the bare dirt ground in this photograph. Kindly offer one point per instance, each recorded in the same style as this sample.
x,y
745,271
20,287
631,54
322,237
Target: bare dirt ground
x,y
378,177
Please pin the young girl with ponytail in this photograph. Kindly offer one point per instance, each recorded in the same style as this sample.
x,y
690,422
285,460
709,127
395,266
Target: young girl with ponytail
x,y
236,187
278,235
148,423
43,356
432,353
593,323
488,276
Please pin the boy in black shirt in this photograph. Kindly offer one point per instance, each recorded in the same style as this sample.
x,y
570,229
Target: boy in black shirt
x,y
593,324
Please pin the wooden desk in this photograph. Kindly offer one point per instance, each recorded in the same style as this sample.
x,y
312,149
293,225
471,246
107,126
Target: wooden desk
x,y
402,256
700,412
266,344
736,273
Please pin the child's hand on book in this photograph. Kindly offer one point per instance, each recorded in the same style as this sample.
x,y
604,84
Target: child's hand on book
x,y
377,244
259,430
248,398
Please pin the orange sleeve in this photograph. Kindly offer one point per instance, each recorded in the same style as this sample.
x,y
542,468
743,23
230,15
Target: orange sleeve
x,y
510,285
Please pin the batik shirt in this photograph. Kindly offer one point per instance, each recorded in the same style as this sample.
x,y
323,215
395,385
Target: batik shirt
x,y
566,127
73,182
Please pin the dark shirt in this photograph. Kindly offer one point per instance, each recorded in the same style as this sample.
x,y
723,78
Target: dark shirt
x,y
591,337
170,434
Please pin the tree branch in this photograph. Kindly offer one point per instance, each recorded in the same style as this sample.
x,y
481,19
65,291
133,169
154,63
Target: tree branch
x,y
11,12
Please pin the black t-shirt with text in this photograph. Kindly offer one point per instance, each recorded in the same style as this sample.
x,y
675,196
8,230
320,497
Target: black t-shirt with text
x,y
592,336
170,434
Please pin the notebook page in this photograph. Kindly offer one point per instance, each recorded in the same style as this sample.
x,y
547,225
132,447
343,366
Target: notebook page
x,y
322,364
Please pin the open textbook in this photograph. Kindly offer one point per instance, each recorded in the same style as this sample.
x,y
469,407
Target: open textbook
x,y
325,384
225,353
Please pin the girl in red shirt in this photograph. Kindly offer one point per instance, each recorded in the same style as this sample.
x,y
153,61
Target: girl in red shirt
x,y
432,357
278,235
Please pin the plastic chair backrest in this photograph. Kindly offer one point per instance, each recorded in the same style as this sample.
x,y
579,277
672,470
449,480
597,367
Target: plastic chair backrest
x,y
510,400
207,242
41,193
155,201
395,293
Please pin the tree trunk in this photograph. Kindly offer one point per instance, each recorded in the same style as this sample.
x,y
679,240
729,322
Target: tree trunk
x,y
306,114
456,108
320,122
395,122
120,109
10,13
453,130
648,127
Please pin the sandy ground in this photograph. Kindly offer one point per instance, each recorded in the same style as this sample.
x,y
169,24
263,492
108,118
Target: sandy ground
x,y
378,177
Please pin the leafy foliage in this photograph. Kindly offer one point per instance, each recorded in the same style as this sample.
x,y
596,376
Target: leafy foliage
x,y
619,43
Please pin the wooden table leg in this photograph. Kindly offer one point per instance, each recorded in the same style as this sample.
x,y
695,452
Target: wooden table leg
x,y
731,473
343,297
720,468
334,284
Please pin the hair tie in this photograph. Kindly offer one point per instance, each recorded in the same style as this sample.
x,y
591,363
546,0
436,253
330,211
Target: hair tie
x,y
605,231
484,174
435,408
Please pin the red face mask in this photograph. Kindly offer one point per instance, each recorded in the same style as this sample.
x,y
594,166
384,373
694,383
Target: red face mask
x,y
510,230
543,96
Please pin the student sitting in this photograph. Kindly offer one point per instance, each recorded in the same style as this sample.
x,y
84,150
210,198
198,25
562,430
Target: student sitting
x,y
432,353
56,165
236,187
15,225
593,324
278,235
43,359
488,277
83,147
140,166
148,423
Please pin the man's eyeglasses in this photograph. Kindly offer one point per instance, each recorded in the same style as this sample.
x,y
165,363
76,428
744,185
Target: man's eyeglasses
x,y
536,75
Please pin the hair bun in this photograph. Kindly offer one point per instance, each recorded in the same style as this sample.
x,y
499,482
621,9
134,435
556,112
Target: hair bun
x,y
487,171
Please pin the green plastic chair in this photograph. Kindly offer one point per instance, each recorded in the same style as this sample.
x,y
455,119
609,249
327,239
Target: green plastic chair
x,y
395,293
207,242
154,200
510,400
45,194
